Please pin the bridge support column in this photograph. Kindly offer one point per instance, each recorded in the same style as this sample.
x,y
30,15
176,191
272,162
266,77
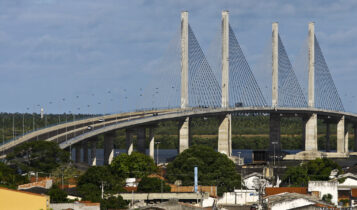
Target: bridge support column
x,y
152,143
184,135
311,133
109,147
141,137
77,148
327,137
355,137
85,151
129,141
225,136
274,135
93,152
342,136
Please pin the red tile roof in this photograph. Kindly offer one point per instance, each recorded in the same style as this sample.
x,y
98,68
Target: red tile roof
x,y
277,190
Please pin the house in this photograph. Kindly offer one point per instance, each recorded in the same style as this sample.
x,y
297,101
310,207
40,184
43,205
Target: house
x,y
321,188
19,200
294,201
250,179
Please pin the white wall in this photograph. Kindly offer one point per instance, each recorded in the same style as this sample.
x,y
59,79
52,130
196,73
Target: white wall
x,y
240,197
325,187
348,183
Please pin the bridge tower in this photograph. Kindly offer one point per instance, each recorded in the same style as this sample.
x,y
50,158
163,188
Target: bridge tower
x,y
274,132
225,128
184,126
311,121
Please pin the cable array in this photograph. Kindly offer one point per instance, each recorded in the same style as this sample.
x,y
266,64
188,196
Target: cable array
x,y
290,93
243,87
326,94
204,89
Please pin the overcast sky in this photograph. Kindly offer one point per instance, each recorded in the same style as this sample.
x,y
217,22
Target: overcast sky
x,y
79,53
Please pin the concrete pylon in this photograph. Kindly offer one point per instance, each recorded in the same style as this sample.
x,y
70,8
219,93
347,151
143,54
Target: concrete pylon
x,y
85,151
225,59
184,59
342,136
311,88
152,143
129,141
225,136
109,147
275,64
225,128
355,137
93,152
141,137
184,134
311,123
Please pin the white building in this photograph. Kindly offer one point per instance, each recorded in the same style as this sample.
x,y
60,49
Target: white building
x,y
249,180
321,188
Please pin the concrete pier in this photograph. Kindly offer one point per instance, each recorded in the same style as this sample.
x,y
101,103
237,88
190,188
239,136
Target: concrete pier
x,y
342,136
141,138
327,137
225,135
85,151
152,142
311,133
184,134
129,141
77,148
109,147
93,152
274,135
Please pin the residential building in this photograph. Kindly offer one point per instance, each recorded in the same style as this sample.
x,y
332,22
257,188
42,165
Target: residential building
x,y
19,200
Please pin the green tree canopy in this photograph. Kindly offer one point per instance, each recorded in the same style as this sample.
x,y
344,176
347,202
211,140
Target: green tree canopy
x,y
214,169
318,169
41,156
57,195
113,203
153,185
9,178
135,165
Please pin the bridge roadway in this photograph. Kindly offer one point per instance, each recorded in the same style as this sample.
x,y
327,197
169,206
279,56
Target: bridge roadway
x,y
74,132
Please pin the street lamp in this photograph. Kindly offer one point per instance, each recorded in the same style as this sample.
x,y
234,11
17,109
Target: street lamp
x,y
274,143
157,152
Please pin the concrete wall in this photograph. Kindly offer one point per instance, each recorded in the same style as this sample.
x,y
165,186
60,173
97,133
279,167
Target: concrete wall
x,y
239,197
165,196
75,206
325,187
291,204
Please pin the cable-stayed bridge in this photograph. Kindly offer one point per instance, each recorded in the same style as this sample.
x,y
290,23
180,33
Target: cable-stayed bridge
x,y
193,89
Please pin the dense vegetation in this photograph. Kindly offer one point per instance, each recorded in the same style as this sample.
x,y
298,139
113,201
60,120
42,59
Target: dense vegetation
x,y
318,169
153,185
214,169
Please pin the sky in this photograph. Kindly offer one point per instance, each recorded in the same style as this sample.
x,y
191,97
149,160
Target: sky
x,y
97,56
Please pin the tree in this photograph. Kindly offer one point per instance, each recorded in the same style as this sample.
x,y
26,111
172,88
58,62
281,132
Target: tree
x,y
214,168
113,203
318,169
9,178
57,195
89,184
327,198
39,156
153,185
135,165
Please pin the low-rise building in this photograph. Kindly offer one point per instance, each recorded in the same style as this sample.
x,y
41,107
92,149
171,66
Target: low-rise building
x,y
321,188
19,200
239,197
76,206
